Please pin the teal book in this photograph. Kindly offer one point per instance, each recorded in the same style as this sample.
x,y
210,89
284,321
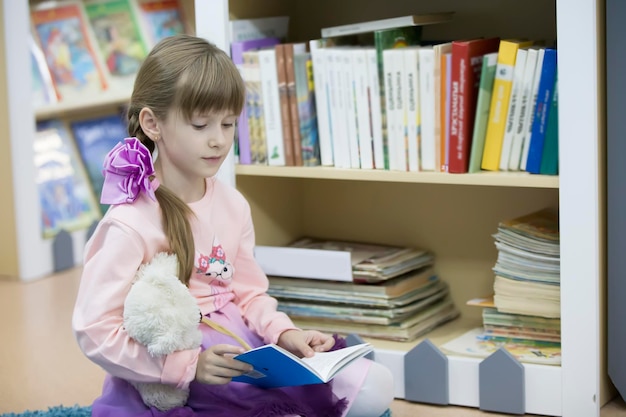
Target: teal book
x,y
550,157
390,39
481,117
276,367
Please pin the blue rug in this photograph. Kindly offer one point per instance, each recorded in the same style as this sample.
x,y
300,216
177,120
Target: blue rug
x,y
59,411
77,411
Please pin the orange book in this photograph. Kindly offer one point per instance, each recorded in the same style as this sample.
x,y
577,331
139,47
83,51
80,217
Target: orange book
x,y
292,98
281,73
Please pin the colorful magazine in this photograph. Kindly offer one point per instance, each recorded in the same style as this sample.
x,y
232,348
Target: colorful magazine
x,y
162,18
95,138
66,198
62,32
118,36
472,343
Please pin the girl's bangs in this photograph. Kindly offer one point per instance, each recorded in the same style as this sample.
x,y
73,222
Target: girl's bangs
x,y
210,85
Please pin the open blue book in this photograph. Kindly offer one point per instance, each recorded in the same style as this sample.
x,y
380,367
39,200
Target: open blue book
x,y
276,367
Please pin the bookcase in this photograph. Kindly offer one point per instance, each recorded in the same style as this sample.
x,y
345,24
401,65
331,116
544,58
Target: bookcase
x,y
453,215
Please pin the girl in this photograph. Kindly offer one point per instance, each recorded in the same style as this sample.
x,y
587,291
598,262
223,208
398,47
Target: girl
x,y
186,100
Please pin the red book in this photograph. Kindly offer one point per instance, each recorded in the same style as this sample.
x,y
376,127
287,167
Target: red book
x,y
465,78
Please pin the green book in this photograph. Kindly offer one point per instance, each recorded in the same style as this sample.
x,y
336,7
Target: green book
x,y
483,101
389,39
550,156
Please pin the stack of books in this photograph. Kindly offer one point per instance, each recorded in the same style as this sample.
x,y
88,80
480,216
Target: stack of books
x,y
523,316
528,266
394,292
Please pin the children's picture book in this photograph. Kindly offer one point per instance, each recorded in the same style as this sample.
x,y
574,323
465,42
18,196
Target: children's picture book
x,y
162,18
62,32
473,344
95,138
277,367
118,36
66,198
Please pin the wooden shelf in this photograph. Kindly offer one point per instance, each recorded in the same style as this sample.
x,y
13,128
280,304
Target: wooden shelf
x,y
498,179
106,99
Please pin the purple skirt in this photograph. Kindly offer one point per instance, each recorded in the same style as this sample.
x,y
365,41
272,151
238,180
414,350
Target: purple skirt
x,y
121,399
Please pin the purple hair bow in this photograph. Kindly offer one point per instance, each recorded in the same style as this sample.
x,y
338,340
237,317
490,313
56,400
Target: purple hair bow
x,y
127,170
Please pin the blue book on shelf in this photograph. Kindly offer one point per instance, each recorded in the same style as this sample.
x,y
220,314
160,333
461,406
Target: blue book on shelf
x,y
276,367
542,111
94,139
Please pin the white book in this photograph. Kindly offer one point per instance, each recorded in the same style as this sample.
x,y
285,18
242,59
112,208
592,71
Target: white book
x,y
520,126
441,144
341,147
271,107
513,112
394,22
374,98
347,87
531,110
359,66
448,75
393,108
264,27
318,56
411,78
427,108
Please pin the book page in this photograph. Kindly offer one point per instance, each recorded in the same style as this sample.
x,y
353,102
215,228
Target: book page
x,y
327,364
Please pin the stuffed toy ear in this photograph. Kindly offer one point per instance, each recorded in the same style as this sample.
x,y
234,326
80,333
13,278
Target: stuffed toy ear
x,y
159,311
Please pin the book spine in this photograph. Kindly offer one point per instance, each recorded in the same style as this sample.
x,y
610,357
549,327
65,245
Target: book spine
x,y
321,102
375,113
281,72
499,107
341,146
292,100
542,111
443,108
531,110
271,108
306,109
550,157
467,70
446,139
481,116
350,116
359,66
525,110
427,106
512,118
411,72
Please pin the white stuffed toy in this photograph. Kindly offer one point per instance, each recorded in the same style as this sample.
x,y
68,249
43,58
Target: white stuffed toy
x,y
160,313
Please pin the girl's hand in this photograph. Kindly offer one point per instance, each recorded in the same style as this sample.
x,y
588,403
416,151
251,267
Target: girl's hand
x,y
305,342
216,365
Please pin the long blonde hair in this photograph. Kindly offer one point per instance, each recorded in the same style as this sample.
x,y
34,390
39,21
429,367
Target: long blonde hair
x,y
191,75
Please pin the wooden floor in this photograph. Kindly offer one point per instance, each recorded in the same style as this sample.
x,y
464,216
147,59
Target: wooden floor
x,y
41,365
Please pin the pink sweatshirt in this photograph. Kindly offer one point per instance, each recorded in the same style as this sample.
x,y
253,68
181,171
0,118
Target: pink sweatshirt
x,y
130,235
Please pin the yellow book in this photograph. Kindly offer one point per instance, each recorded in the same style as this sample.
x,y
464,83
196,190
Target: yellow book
x,y
500,99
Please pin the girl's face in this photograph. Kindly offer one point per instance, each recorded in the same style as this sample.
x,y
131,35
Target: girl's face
x,y
190,151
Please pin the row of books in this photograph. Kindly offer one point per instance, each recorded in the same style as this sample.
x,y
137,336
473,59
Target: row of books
x,y
393,101
523,316
82,48
68,163
392,292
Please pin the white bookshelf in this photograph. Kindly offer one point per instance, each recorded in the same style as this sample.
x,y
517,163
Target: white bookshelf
x,y
454,215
